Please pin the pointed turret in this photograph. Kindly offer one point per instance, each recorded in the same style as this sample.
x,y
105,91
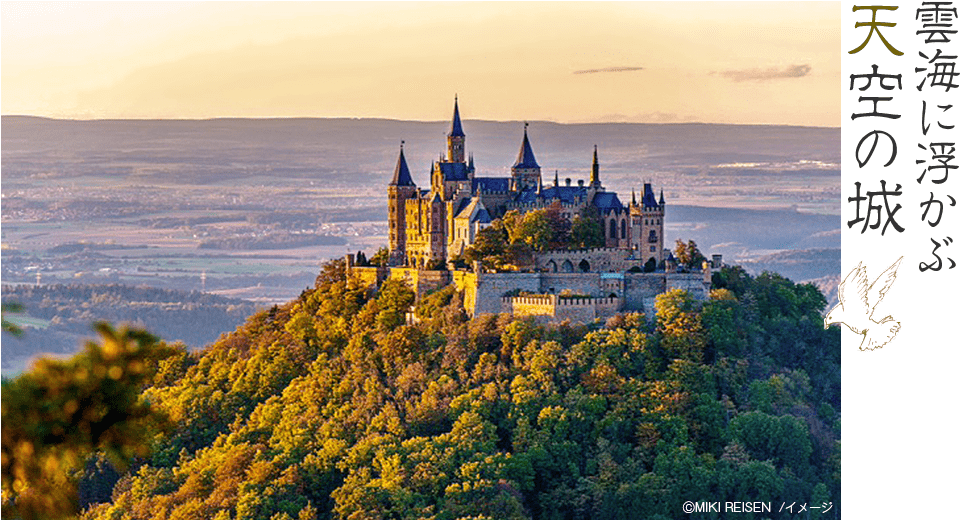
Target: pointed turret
x,y
456,129
525,172
556,178
525,158
633,198
401,174
595,170
661,197
456,139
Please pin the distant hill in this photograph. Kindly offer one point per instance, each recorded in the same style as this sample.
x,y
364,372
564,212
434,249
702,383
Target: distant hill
x,y
221,150
58,317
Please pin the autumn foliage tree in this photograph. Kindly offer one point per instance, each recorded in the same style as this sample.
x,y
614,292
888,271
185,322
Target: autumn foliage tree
x,y
332,406
61,411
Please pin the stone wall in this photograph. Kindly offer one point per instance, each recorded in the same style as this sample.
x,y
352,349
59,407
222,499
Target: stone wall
x,y
490,287
598,260
609,293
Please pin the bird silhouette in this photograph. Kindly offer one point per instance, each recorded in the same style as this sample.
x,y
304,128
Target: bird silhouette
x,y
858,300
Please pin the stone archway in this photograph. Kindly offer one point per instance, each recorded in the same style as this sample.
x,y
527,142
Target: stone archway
x,y
584,266
551,266
567,266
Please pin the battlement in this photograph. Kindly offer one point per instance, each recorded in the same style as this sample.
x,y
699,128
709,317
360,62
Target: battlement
x,y
556,308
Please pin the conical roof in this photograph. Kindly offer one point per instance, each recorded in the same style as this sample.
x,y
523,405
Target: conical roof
x,y
456,129
401,174
526,159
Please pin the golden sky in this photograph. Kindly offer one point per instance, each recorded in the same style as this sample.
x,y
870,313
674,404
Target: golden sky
x,y
714,62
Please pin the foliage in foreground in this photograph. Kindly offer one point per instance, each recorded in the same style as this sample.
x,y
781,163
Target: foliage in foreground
x,y
59,412
331,407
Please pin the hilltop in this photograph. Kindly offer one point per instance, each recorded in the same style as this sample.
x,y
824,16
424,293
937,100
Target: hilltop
x,y
331,406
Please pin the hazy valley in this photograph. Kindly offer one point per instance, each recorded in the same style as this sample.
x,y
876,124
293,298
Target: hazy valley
x,y
250,209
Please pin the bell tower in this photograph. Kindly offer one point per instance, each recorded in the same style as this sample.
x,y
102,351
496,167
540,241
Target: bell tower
x,y
400,190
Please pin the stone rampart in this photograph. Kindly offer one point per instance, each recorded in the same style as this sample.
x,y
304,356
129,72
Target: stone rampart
x,y
553,308
604,294
601,259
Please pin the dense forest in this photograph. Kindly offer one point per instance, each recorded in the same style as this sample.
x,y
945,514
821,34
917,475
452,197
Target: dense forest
x,y
331,406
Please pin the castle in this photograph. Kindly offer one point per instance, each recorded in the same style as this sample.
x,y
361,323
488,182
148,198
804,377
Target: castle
x,y
430,228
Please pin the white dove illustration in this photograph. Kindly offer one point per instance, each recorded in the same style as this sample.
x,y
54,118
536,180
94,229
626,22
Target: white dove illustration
x,y
858,299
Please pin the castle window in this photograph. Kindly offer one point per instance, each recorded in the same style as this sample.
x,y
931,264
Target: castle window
x,y
653,237
623,228
653,249
613,229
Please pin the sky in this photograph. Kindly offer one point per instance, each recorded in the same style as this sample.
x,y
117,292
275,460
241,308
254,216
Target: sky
x,y
652,62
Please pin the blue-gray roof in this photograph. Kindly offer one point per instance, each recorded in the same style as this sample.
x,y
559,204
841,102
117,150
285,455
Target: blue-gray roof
x,y
566,194
526,196
463,204
456,130
526,159
483,217
491,183
648,200
453,171
607,200
401,174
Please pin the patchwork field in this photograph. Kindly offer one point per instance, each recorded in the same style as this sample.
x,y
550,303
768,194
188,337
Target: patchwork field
x,y
250,209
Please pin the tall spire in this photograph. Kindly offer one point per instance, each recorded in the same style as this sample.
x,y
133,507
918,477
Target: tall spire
x,y
456,140
595,170
556,178
633,192
526,159
401,174
456,130
661,197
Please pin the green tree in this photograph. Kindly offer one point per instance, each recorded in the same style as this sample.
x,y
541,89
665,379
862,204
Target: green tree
x,y
61,411
489,247
381,257
586,231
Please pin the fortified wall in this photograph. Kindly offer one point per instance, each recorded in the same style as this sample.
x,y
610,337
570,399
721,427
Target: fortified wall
x,y
555,296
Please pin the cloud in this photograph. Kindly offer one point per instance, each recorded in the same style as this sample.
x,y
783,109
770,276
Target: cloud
x,y
793,71
608,69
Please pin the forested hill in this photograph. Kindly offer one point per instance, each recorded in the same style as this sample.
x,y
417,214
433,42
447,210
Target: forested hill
x,y
58,316
331,407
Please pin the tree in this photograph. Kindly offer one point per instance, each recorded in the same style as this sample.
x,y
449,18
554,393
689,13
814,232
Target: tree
x,y
489,246
535,229
585,231
688,254
61,411
12,328
381,257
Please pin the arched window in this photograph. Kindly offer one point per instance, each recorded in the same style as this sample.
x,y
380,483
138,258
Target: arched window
x,y
613,229
653,237
623,228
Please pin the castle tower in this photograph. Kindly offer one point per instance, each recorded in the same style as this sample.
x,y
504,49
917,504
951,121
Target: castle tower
x,y
646,228
595,170
456,139
525,172
400,190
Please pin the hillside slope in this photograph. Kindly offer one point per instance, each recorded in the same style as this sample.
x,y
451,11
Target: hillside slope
x,y
331,407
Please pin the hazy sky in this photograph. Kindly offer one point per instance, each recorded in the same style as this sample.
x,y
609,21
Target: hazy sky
x,y
717,62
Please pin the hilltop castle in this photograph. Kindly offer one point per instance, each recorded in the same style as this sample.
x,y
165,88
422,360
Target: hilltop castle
x,y
430,228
